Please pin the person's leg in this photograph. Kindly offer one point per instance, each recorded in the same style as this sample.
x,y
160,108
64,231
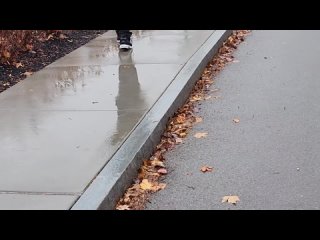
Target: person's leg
x,y
124,37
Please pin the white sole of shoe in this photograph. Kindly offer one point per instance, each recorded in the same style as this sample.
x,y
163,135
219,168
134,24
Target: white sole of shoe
x,y
125,46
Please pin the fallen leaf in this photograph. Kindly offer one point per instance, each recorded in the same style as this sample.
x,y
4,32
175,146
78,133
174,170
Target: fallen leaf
x,y
160,186
231,199
62,36
157,163
145,185
201,135
123,207
162,171
207,98
181,119
206,169
235,61
49,36
6,54
196,98
19,65
29,47
198,119
236,120
28,73
178,140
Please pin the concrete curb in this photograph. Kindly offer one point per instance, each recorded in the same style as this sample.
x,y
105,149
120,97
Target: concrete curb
x,y
117,175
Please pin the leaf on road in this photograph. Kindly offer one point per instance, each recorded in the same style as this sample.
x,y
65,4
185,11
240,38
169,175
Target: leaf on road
x,y
178,140
231,199
62,36
196,98
146,185
157,163
236,120
206,169
6,54
123,207
18,65
201,135
27,73
198,119
162,171
208,97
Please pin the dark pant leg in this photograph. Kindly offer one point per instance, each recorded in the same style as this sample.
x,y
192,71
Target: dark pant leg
x,y
123,33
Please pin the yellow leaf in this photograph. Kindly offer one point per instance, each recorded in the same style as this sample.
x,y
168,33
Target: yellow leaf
x,y
198,119
157,163
201,135
231,199
236,120
123,207
146,185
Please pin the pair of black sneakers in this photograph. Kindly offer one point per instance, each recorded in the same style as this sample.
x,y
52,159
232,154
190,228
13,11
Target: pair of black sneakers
x,y
125,41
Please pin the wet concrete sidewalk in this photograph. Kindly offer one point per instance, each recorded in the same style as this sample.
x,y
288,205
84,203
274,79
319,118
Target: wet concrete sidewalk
x,y
59,127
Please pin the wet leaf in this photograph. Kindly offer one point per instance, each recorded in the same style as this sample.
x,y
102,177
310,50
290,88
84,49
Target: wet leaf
x,y
231,199
123,207
198,119
201,135
27,73
236,120
146,185
162,171
205,169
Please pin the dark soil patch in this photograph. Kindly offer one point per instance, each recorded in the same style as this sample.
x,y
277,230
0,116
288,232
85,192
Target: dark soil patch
x,y
43,54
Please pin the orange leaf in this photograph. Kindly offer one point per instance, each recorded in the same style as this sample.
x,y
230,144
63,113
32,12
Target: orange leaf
x,y
206,169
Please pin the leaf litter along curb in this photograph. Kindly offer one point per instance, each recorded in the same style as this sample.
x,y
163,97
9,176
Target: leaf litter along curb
x,y
153,169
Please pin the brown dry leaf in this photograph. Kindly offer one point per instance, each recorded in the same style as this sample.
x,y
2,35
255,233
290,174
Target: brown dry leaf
x,y
18,65
157,163
6,54
123,207
28,73
162,171
236,120
206,169
198,119
178,140
201,135
146,185
231,199
208,97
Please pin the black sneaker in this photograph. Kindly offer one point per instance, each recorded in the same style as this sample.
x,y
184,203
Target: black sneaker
x,y
125,43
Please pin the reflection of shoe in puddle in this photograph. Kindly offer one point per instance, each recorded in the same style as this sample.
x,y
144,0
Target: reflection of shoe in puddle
x,y
125,57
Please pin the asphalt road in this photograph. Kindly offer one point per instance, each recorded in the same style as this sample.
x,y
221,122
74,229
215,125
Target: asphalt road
x,y
271,158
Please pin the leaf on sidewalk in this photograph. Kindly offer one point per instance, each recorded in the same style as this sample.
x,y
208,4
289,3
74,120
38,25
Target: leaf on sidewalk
x,y
205,169
236,120
201,135
231,199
